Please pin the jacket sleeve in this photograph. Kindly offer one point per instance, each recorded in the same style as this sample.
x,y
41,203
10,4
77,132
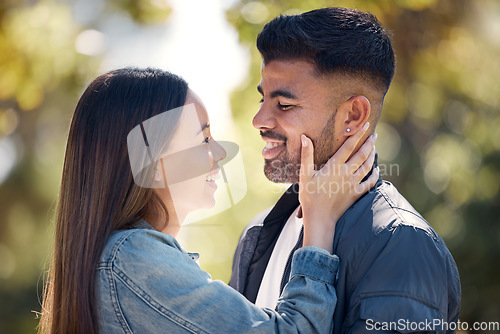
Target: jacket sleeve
x,y
157,283
407,282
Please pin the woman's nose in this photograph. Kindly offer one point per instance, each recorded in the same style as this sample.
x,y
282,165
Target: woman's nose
x,y
218,151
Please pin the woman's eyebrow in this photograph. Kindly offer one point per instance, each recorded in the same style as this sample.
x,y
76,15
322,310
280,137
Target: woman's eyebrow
x,y
206,126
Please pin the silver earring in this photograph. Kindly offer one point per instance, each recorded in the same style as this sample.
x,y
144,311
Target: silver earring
x,y
348,130
157,176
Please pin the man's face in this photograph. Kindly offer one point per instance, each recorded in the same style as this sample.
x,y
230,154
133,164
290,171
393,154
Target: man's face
x,y
295,101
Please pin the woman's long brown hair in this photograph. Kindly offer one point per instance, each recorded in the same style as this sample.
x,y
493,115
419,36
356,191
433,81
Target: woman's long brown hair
x,y
98,194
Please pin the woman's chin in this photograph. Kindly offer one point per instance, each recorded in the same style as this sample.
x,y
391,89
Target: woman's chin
x,y
207,203
211,202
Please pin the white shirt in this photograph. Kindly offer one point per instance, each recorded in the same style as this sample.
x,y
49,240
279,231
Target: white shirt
x,y
269,290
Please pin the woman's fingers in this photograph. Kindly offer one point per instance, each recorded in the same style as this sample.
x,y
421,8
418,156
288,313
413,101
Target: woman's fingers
x,y
335,171
306,161
347,148
364,152
365,167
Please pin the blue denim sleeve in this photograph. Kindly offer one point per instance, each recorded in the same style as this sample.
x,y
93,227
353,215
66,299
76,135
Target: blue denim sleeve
x,y
313,269
151,285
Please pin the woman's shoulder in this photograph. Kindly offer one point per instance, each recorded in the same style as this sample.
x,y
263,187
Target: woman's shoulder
x,y
136,246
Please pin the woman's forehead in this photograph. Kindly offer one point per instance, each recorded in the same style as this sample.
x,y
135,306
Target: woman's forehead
x,y
201,111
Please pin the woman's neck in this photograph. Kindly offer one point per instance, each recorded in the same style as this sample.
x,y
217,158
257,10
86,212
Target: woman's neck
x,y
170,225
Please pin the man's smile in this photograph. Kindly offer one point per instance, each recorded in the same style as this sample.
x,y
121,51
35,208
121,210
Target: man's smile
x,y
273,147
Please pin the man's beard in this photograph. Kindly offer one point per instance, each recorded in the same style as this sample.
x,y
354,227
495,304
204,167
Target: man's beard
x,y
286,167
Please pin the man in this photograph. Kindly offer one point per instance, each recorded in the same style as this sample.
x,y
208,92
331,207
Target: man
x,y
324,74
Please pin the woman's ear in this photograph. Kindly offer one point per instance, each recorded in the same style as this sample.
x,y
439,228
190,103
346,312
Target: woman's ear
x,y
356,113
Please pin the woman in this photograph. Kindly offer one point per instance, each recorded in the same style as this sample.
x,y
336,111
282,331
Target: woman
x,y
116,264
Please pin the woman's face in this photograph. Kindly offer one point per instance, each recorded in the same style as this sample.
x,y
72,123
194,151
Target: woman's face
x,y
190,163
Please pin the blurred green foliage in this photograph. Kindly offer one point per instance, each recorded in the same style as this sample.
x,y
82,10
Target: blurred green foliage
x,y
41,78
439,136
144,11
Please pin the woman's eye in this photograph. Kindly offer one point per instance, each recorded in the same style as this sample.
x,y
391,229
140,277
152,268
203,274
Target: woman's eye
x,y
285,107
261,100
207,140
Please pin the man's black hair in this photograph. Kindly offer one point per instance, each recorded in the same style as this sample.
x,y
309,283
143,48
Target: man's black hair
x,y
335,40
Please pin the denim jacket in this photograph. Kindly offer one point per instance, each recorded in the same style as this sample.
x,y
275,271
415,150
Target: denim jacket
x,y
145,283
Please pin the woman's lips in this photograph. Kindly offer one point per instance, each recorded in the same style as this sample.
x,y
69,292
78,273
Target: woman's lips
x,y
211,177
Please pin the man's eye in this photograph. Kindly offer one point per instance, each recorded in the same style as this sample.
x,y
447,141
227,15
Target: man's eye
x,y
261,100
207,140
285,107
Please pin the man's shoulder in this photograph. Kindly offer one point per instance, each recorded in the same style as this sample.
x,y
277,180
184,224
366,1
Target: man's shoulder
x,y
393,264
385,208
377,216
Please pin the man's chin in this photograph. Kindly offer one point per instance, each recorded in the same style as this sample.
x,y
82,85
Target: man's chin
x,y
275,179
279,172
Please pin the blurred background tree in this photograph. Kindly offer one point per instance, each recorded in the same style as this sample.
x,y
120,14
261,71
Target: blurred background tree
x,y
439,136
40,75
44,66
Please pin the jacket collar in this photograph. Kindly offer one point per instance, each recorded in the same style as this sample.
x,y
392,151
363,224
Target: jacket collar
x,y
289,201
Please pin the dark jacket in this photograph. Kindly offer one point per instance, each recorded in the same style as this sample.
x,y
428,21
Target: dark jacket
x,y
396,273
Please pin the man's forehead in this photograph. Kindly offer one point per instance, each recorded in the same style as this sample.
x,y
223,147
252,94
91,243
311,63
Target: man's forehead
x,y
297,77
288,68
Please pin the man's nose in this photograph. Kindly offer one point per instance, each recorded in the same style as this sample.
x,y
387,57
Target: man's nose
x,y
264,118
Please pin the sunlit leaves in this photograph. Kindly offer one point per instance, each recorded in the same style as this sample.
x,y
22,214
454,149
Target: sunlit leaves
x,y
145,11
32,41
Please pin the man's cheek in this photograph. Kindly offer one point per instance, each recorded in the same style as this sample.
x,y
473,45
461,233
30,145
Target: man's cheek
x,y
294,150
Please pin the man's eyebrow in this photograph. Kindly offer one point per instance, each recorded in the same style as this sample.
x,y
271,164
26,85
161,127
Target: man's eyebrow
x,y
284,93
279,92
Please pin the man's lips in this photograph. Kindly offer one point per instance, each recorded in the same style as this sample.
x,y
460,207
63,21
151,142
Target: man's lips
x,y
273,147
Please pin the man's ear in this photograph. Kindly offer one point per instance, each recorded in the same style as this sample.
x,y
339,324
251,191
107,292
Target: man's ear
x,y
356,112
